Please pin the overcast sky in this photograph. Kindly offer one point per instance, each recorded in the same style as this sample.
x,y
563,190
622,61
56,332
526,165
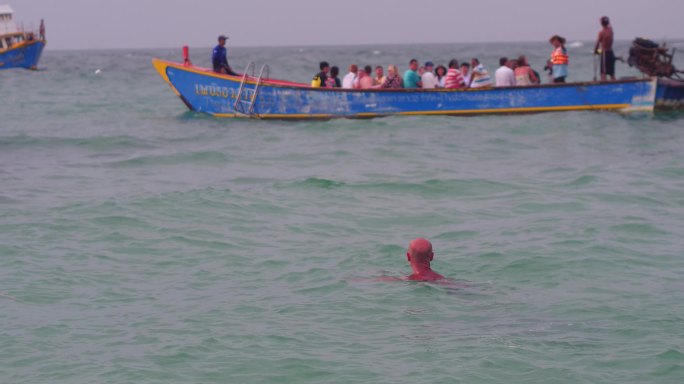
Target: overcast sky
x,y
88,24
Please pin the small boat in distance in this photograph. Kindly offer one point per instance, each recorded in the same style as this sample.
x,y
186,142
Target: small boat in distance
x,y
258,96
18,48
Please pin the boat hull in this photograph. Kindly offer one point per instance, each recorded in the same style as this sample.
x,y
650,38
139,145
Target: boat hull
x,y
216,94
24,55
670,94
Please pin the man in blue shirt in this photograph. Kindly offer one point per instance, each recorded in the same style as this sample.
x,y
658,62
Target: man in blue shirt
x,y
219,57
411,76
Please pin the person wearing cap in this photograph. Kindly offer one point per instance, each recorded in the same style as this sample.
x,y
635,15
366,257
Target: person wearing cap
x,y
604,47
411,77
428,77
219,57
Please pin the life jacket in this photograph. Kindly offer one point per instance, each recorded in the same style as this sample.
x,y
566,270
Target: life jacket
x,y
316,82
559,56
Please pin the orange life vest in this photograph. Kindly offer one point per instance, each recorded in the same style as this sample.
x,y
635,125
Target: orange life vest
x,y
559,56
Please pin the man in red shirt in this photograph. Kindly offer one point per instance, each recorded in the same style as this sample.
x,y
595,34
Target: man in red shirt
x,y
454,77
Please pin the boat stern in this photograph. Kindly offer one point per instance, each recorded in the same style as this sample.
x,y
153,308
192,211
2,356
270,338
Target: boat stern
x,y
645,100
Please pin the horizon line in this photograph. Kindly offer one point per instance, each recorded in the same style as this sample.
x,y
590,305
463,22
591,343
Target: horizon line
x,y
339,45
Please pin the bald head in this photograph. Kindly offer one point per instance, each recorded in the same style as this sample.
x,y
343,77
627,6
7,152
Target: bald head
x,y
420,250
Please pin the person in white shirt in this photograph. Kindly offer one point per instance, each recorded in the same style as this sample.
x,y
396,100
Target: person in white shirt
x,y
505,76
350,78
465,71
479,76
428,77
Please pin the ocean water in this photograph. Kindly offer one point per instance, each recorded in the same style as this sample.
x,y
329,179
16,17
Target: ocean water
x,y
142,243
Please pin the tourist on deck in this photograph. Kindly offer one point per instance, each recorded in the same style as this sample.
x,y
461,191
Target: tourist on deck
x,y
369,70
320,79
428,77
219,57
465,71
379,78
411,77
604,47
524,75
350,78
440,72
364,81
333,81
480,76
454,78
559,59
392,80
505,76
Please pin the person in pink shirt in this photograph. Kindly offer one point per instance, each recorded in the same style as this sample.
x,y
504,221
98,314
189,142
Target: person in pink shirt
x,y
454,77
524,75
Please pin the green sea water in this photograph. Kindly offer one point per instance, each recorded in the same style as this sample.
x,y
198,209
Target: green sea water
x,y
142,243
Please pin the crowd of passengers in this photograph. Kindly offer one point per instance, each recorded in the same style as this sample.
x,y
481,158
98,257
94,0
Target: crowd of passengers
x,y
512,72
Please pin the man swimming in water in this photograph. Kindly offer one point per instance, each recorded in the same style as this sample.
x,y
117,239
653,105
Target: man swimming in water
x,y
419,256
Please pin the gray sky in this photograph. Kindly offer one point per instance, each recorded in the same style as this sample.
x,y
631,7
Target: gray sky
x,y
88,24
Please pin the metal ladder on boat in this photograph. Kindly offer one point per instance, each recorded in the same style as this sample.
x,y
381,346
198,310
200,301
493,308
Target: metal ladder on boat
x,y
247,97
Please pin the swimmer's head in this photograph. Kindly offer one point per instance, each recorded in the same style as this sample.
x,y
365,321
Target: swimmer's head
x,y
419,251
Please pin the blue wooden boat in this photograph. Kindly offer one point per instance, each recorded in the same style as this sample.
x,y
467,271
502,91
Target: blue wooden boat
x,y
202,90
18,49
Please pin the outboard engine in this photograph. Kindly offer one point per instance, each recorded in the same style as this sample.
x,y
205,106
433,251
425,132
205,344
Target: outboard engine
x,y
653,59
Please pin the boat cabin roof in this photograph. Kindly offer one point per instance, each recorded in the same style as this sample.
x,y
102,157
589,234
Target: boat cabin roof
x,y
6,23
5,9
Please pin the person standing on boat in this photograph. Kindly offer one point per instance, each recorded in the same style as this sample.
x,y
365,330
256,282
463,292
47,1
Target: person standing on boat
x,y
41,31
559,59
411,76
219,58
604,47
